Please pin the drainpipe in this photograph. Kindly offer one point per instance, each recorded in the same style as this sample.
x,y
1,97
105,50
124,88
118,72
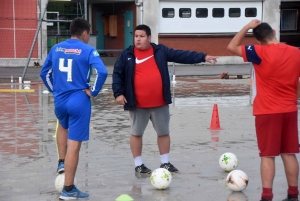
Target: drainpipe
x,y
85,9
141,11
139,3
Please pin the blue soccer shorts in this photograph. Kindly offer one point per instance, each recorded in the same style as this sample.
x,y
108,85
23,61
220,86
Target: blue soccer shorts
x,y
74,113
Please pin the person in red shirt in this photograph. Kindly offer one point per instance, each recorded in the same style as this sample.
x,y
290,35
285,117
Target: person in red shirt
x,y
141,83
277,72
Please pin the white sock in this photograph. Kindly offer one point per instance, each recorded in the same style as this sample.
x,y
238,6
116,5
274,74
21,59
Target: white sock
x,y
164,158
138,161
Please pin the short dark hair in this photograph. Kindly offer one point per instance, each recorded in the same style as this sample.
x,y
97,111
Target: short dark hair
x,y
78,26
263,32
145,28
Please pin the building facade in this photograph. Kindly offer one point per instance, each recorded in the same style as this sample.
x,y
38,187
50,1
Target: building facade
x,y
198,25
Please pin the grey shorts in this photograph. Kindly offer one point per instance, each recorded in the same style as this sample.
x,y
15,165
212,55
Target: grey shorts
x,y
159,116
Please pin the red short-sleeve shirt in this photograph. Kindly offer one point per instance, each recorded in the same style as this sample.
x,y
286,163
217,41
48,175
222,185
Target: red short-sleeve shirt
x,y
148,86
277,72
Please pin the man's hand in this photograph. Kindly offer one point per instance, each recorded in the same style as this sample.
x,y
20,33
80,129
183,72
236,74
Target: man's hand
x,y
88,92
121,100
211,59
253,24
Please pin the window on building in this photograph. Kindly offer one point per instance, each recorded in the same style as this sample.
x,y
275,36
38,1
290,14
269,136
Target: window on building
x,y
289,19
250,12
185,12
201,12
218,12
168,12
234,12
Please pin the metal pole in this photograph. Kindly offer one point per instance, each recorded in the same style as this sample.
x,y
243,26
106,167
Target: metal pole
x,y
173,68
58,28
34,40
141,11
77,10
85,9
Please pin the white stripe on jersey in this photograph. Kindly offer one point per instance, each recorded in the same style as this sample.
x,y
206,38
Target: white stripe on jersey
x,y
48,79
88,74
93,89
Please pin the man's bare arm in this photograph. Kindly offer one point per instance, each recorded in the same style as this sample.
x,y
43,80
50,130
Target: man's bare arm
x,y
235,44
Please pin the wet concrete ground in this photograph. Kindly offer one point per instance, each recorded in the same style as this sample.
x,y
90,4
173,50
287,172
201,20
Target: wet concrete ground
x,y
28,157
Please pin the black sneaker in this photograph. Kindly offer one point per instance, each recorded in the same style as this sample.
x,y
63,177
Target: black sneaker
x,y
290,198
169,167
143,169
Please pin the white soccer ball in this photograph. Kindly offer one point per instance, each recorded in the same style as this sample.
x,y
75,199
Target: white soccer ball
x,y
161,178
26,87
59,182
237,180
228,162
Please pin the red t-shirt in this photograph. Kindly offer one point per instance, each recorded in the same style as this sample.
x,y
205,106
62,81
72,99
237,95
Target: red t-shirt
x,y
148,87
277,72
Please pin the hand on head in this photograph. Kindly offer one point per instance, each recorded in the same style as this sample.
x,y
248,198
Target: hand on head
x,y
253,24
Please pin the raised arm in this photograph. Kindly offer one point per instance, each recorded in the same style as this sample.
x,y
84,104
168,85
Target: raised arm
x,y
188,57
235,44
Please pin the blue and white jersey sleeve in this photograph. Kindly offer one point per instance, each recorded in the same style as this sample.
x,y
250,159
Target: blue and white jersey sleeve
x,y
250,54
46,73
101,72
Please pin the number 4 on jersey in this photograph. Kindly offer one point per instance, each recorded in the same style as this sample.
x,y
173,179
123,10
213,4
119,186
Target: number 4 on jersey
x,y
67,69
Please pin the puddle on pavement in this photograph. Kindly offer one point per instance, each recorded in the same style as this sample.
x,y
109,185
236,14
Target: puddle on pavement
x,y
28,124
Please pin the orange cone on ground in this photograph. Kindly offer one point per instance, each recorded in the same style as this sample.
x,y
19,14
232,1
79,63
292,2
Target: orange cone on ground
x,y
215,123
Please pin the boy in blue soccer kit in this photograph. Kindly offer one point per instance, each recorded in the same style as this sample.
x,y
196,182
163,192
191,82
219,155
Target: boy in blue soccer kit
x,y
66,73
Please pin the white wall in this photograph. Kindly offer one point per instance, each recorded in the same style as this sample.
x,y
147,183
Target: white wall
x,y
150,17
271,11
210,24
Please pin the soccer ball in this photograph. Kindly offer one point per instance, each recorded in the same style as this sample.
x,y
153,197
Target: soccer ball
x,y
59,182
228,161
237,180
161,178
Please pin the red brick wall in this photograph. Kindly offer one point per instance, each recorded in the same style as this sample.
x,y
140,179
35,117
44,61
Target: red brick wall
x,y
17,28
213,45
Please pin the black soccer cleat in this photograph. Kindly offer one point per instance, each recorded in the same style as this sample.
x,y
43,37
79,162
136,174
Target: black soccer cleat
x,y
143,169
169,167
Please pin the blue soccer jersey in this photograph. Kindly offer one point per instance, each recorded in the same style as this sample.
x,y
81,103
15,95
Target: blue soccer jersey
x,y
67,68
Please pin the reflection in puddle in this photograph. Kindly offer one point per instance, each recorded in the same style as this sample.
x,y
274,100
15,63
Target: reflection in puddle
x,y
237,196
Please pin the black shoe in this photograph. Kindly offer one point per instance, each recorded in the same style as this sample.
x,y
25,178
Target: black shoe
x,y
169,167
143,169
290,198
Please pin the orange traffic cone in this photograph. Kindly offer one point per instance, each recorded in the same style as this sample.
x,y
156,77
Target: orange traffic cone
x,y
215,123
